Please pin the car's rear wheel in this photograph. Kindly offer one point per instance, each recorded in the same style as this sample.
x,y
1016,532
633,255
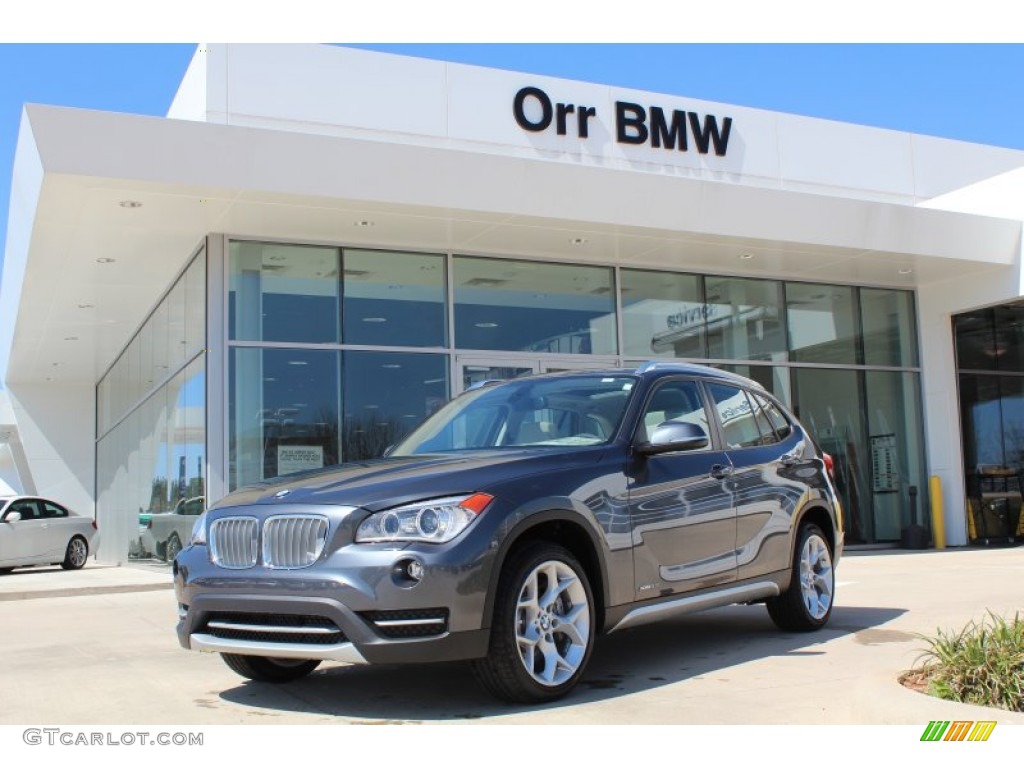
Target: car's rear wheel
x,y
543,628
265,669
172,548
807,604
76,555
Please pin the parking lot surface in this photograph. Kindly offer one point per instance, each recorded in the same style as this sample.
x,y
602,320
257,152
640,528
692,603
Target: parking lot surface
x,y
97,646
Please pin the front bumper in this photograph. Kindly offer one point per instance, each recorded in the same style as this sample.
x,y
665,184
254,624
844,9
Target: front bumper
x,y
353,606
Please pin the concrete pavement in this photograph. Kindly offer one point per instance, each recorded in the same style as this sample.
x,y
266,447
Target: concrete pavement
x,y
97,646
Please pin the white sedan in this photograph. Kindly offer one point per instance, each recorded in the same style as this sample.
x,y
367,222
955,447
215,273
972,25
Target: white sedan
x,y
35,531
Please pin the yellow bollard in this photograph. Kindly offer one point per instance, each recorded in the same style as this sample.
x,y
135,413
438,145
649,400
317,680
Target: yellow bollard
x,y
938,519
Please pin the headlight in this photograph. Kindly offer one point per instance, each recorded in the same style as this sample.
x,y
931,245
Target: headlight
x,y
199,531
435,521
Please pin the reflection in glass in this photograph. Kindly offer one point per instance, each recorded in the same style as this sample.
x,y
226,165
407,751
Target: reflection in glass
x,y
534,307
744,319
663,314
284,413
821,323
283,292
386,396
394,299
773,378
890,330
828,402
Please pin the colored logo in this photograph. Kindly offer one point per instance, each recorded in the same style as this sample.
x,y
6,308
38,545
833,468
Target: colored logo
x,y
958,730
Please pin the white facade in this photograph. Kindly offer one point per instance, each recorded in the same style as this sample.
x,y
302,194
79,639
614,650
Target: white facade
x,y
302,143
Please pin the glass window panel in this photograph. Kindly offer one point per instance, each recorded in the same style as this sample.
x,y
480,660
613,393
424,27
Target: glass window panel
x,y
821,323
976,347
386,396
895,449
176,343
394,299
829,403
534,306
744,319
283,293
195,306
663,314
775,379
283,412
1009,338
157,340
890,328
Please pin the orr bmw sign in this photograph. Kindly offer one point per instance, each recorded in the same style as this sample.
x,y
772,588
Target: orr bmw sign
x,y
677,129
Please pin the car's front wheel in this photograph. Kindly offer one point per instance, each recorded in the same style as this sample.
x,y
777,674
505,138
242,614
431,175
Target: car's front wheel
x,y
807,604
265,669
76,554
543,628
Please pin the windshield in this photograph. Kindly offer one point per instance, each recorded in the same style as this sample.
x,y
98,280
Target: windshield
x,y
577,410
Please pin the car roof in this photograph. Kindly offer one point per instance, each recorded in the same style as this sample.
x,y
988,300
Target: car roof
x,y
650,368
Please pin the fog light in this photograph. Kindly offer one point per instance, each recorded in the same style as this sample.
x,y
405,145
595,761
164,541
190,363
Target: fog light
x,y
415,570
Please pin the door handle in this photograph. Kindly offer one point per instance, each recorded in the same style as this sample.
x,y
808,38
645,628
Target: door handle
x,y
721,471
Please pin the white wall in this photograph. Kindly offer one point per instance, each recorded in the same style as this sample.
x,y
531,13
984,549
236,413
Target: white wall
x,y
56,424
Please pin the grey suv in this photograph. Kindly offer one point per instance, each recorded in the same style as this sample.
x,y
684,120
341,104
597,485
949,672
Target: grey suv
x,y
518,523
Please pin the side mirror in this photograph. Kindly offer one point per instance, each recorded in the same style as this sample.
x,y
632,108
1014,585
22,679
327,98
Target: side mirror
x,y
12,517
670,436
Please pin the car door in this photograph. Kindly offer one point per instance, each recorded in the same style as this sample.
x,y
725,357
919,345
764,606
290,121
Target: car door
x,y
765,451
23,538
59,526
680,504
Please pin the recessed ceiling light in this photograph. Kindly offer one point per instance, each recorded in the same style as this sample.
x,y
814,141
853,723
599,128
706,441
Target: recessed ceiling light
x,y
905,271
486,325
746,256
130,204
391,365
298,362
363,223
375,319
105,260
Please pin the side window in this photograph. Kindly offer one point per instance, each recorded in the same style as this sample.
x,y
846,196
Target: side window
x,y
775,416
745,425
51,511
674,401
29,510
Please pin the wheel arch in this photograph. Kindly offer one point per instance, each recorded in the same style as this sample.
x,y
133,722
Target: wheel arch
x,y
568,530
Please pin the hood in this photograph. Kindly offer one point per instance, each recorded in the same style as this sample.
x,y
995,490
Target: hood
x,y
382,483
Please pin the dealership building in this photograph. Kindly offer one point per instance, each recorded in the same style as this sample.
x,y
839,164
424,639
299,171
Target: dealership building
x,y
320,245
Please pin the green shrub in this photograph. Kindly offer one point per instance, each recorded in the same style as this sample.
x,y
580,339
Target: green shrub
x,y
981,664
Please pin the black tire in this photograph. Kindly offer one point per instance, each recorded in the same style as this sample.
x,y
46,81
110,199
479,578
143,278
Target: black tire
x,y
172,548
516,675
807,604
267,670
76,554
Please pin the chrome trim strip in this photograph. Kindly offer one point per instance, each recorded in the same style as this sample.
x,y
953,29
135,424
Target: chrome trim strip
x,y
340,652
648,614
407,622
273,628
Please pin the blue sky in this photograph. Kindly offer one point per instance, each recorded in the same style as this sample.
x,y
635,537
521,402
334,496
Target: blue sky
x,y
968,92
